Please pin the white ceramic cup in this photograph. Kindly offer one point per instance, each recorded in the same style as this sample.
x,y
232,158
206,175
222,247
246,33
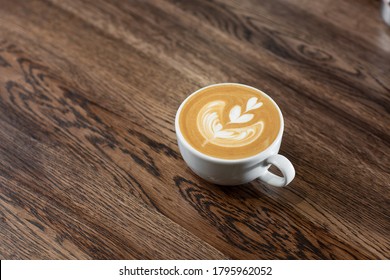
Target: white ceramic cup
x,y
237,171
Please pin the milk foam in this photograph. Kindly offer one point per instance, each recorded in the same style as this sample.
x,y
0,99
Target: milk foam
x,y
238,131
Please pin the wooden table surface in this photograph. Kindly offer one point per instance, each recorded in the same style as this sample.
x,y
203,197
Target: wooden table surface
x,y
89,164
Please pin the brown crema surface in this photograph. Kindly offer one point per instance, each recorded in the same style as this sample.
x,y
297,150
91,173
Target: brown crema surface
x,y
229,121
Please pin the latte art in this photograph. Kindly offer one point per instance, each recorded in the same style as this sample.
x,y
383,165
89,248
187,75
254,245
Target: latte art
x,y
210,126
229,121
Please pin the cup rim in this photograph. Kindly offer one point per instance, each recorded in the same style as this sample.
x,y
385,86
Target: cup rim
x,y
222,160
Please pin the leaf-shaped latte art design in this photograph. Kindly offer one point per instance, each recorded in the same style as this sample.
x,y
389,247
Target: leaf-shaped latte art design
x,y
235,113
243,118
236,117
252,104
224,134
210,126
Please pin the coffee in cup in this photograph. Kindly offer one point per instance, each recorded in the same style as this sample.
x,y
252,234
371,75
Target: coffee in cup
x,y
230,134
229,121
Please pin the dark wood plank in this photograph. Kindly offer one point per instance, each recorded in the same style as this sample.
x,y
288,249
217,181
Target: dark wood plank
x,y
52,191
87,172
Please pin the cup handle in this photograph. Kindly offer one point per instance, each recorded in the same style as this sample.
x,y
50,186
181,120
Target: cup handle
x,y
284,165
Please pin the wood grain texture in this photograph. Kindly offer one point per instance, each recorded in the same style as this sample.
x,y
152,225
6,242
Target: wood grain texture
x,y
89,166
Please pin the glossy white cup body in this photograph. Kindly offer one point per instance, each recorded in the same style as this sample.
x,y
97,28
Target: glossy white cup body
x,y
237,171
